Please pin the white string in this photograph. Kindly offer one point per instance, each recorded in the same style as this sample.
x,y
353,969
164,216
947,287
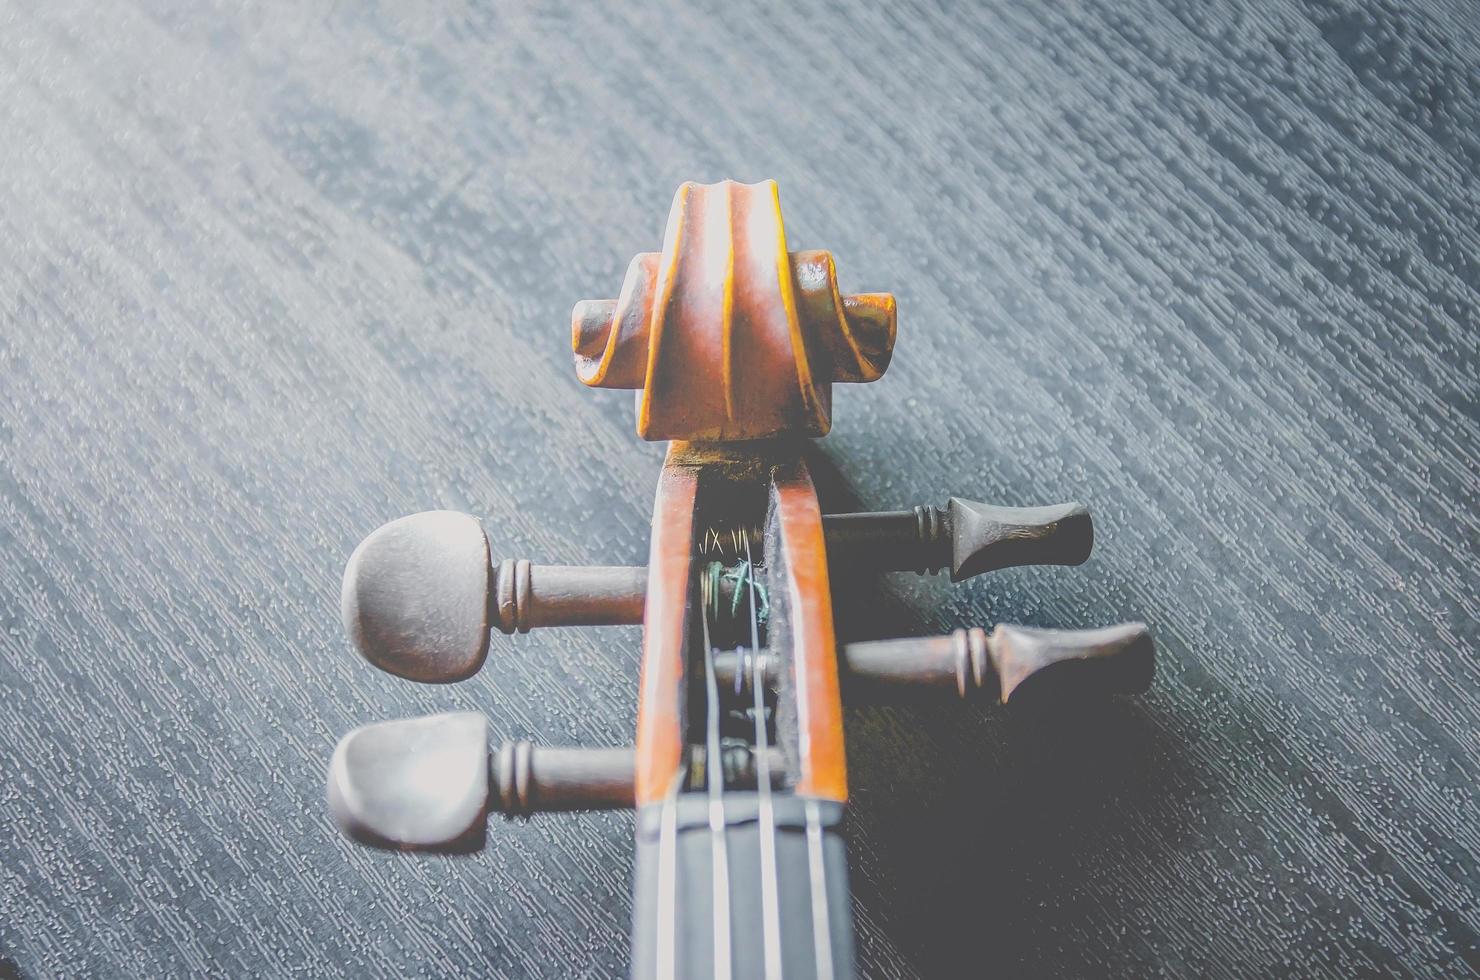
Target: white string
x,y
668,883
770,891
821,921
714,777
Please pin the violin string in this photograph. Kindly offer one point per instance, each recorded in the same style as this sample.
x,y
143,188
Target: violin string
x,y
770,890
668,883
714,778
727,541
821,919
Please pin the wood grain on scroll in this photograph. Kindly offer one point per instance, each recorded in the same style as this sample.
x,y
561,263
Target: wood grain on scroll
x,y
729,335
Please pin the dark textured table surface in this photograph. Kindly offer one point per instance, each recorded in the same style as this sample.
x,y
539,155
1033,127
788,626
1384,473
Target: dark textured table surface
x,y
273,274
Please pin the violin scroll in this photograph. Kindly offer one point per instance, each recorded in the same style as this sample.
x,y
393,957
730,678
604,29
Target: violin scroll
x,y
738,769
729,335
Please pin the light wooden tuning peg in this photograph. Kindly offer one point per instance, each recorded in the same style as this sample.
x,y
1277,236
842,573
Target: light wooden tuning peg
x,y
422,595
429,784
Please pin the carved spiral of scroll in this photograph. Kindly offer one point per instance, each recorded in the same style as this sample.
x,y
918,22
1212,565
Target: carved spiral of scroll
x,y
728,334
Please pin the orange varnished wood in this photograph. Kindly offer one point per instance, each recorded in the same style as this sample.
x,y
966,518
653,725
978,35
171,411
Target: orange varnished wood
x,y
731,338
814,663
664,636
729,335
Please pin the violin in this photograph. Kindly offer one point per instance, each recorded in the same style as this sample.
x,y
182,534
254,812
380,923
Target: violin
x,y
738,774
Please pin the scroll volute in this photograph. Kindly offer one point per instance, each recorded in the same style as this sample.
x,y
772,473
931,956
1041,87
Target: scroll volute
x,y
726,333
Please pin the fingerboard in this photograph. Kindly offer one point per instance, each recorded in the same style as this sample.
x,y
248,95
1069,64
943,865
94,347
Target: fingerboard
x,y
673,923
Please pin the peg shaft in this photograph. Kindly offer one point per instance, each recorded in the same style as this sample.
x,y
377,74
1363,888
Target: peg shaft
x,y
967,537
524,596
526,779
956,661
734,672
893,540
529,779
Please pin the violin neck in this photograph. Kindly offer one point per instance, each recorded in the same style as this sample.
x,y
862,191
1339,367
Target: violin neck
x,y
768,892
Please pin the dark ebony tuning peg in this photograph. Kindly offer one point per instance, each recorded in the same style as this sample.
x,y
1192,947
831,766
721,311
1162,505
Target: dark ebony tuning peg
x,y
430,783
1114,660
1111,660
421,596
967,537
985,538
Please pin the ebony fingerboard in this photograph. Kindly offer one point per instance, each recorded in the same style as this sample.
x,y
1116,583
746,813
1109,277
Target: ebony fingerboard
x,y
816,930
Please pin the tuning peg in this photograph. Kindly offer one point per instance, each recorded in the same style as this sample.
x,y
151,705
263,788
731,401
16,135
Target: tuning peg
x,y
430,783
421,783
421,596
1112,660
1116,659
965,536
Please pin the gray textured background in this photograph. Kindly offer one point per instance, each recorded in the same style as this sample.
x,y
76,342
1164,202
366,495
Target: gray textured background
x,y
272,274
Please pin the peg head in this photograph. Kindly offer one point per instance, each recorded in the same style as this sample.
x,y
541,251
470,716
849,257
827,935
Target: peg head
x,y
985,538
415,597
416,784
1113,660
